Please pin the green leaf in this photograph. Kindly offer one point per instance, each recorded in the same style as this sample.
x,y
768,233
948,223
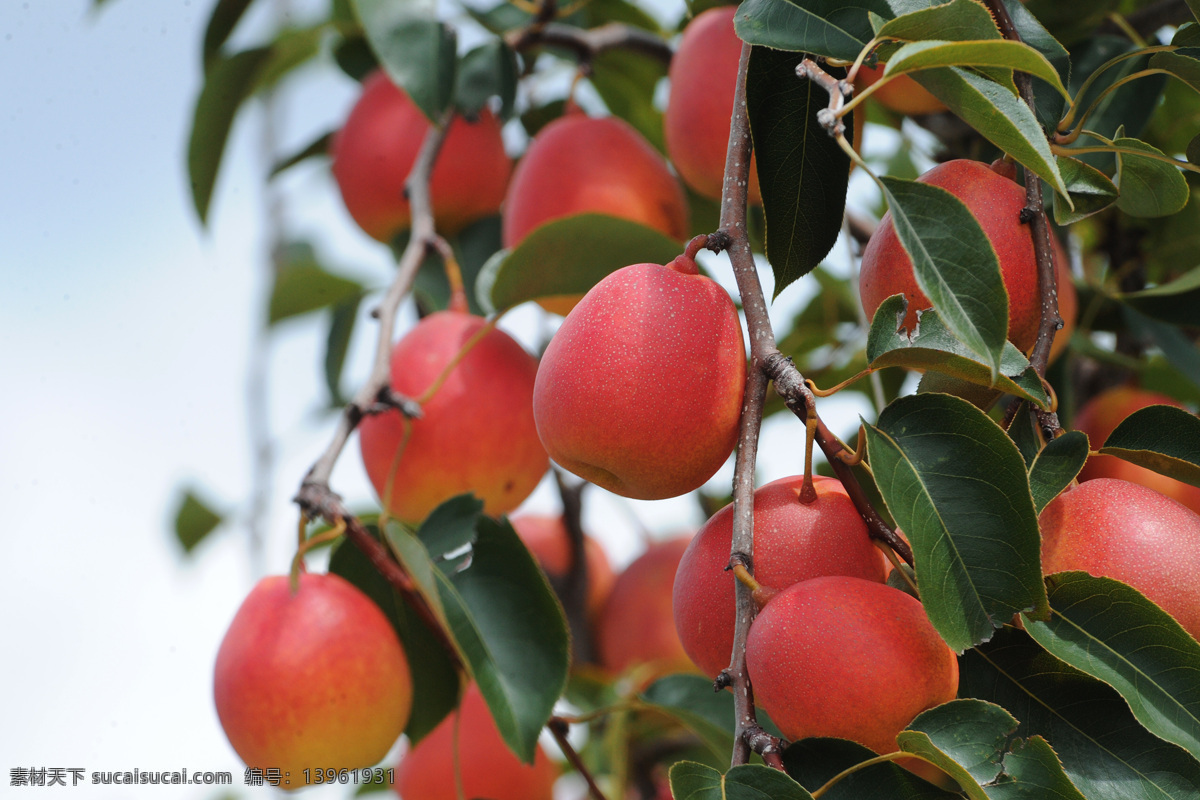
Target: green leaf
x,y
1194,5
1056,466
997,54
1033,772
958,20
490,70
1150,187
355,58
1178,349
511,632
1102,748
957,486
1193,150
317,147
416,50
691,700
1111,631
692,781
966,739
221,22
1001,117
450,526
1050,105
954,263
1165,439
226,86
1176,302
934,348
291,49
302,285
822,27
337,344
812,762
627,82
194,520
802,172
1090,191
567,257
1184,66
432,670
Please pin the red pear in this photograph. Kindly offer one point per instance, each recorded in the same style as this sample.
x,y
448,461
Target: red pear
x,y
376,148
311,680
477,432
793,541
640,390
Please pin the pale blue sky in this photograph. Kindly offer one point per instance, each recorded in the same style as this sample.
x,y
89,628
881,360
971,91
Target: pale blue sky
x,y
124,337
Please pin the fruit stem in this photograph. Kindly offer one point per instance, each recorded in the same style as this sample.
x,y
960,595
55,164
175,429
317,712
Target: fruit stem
x,y
808,494
761,594
458,295
812,387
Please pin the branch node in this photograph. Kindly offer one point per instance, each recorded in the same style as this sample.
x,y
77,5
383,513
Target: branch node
x,y
719,242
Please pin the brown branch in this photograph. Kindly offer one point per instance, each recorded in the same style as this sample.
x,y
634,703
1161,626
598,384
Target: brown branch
x,y
315,496
376,390
575,584
318,500
588,44
768,746
558,728
789,384
733,238
1034,214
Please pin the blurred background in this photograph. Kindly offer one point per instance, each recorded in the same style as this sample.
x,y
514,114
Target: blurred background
x,y
137,368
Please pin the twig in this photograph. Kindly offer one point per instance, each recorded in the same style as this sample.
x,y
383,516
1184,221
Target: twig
x,y
376,394
789,383
1034,214
575,583
316,497
319,500
588,44
558,728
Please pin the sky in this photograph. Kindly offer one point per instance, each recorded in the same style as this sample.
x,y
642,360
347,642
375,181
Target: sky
x,y
125,340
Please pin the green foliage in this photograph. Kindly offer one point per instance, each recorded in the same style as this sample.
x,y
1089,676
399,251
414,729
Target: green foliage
x,y
691,781
1162,438
957,486
1110,631
194,520
954,263
568,256
802,172
1056,466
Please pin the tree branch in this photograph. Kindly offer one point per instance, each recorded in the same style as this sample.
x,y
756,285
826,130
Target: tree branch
x,y
1149,19
732,237
1034,214
558,728
376,394
315,495
588,44
576,582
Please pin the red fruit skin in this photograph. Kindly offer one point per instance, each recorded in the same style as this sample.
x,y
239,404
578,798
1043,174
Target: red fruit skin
x,y
703,76
313,680
902,94
996,203
1121,530
1100,416
636,626
850,658
793,542
548,540
489,768
579,164
640,390
477,432
376,148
